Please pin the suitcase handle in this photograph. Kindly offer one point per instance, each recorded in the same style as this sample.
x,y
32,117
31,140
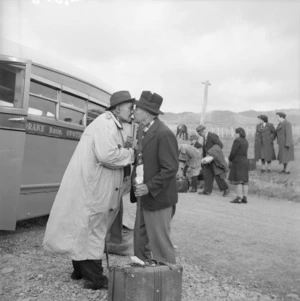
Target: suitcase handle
x,y
156,262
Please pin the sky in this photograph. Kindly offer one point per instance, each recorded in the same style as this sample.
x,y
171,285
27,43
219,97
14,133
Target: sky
x,y
247,50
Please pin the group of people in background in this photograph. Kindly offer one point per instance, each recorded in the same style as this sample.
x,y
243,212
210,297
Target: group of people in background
x,y
214,166
264,142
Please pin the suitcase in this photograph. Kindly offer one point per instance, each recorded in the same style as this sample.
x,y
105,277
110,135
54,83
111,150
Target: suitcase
x,y
145,283
182,184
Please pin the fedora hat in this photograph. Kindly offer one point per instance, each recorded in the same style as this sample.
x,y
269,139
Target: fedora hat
x,y
119,97
200,128
150,102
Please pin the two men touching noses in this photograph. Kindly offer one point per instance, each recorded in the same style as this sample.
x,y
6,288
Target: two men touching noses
x,y
88,205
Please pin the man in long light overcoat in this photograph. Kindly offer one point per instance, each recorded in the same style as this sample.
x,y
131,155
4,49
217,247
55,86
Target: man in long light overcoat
x,y
285,142
89,197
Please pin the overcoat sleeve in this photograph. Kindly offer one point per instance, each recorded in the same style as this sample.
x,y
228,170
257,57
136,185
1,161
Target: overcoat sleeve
x,y
273,131
288,135
109,148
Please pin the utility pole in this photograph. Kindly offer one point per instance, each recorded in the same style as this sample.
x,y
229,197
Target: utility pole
x,y
206,84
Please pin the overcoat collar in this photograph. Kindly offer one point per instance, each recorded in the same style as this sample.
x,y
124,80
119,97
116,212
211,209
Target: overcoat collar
x,y
151,132
111,115
263,127
281,124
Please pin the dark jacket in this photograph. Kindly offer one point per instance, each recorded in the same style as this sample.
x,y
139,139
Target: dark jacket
x,y
238,158
285,142
160,159
219,163
263,144
210,141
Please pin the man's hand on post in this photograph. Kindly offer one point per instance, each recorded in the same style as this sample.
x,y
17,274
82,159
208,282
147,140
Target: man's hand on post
x,y
141,190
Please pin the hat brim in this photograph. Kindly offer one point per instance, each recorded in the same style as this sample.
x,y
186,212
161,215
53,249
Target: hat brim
x,y
124,101
146,108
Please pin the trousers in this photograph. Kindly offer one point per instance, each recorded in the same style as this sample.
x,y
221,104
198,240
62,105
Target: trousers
x,y
209,176
152,234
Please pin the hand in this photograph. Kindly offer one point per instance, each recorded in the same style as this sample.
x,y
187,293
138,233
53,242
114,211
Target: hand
x,y
141,190
128,143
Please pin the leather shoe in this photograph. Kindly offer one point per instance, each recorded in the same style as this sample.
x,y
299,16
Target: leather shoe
x,y
237,200
204,192
193,190
244,200
95,286
76,276
226,192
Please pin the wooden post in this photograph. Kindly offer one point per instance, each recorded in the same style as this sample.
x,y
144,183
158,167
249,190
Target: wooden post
x,y
206,84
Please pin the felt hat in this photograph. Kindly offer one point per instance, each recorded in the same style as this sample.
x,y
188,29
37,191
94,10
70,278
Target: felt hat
x,y
200,128
119,98
150,102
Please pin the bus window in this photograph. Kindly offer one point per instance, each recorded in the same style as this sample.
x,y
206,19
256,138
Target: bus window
x,y
41,107
42,90
73,100
42,100
94,111
11,85
69,115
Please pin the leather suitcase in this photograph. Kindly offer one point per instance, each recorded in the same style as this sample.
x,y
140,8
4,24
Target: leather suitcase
x,y
182,185
149,283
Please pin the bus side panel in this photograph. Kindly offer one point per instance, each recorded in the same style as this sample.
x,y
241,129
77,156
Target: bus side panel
x,y
11,157
45,160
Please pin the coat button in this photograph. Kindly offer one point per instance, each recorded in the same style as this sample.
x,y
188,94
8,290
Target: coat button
x,y
111,209
116,189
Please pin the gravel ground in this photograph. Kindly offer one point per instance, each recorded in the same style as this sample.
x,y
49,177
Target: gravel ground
x,y
29,274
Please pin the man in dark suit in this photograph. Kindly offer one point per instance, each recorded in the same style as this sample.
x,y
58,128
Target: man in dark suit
x,y
155,175
210,140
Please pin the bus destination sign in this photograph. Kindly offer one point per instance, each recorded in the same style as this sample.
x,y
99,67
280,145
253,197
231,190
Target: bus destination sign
x,y
52,131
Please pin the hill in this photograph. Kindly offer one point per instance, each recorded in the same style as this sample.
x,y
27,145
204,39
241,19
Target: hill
x,y
228,119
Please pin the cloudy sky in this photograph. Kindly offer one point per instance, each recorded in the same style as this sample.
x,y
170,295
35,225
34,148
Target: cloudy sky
x,y
248,50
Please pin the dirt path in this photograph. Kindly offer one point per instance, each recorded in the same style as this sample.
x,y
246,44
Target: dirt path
x,y
257,244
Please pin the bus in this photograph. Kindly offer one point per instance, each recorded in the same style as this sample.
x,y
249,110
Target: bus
x,y
43,111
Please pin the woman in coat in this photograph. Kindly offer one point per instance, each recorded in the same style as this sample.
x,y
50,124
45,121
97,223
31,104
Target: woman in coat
x,y
285,142
239,171
263,145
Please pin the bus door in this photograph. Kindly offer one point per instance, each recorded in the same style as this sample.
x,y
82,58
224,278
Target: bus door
x,y
14,87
